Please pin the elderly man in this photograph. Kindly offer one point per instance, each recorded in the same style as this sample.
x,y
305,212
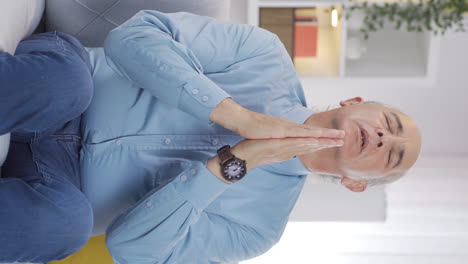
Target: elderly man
x,y
198,141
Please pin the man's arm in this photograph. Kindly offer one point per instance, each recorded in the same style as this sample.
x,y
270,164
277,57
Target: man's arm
x,y
169,54
213,238
171,225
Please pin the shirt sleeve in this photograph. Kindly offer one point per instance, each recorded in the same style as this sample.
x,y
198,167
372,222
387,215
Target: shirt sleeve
x,y
170,55
170,225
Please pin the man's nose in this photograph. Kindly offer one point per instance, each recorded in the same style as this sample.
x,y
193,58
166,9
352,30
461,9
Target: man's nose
x,y
386,139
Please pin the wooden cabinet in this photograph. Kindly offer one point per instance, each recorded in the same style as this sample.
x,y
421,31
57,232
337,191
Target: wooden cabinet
x,y
281,22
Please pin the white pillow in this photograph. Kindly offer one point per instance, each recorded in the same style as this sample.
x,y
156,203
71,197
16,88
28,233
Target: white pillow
x,y
18,19
4,142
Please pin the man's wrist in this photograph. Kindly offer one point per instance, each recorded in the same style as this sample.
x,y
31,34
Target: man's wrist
x,y
230,115
237,151
213,165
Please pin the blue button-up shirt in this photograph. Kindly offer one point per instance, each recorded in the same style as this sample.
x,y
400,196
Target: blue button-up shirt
x,y
147,137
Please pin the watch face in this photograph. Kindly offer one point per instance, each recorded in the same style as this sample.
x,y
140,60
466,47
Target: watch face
x,y
234,170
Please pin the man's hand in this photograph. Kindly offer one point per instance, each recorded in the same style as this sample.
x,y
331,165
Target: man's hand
x,y
258,152
252,125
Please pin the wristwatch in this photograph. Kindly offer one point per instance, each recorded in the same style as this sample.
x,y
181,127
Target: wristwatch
x,y
232,168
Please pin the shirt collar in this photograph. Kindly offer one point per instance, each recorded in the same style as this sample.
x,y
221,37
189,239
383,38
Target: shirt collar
x,y
298,114
292,167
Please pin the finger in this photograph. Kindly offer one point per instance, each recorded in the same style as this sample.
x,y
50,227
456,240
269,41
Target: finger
x,y
311,141
306,144
310,148
317,132
326,132
303,151
330,142
324,142
287,148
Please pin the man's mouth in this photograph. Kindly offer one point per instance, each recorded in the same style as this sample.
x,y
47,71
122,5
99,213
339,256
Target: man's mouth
x,y
364,139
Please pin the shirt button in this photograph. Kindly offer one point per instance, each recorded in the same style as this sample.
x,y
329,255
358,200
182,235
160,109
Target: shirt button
x,y
183,178
195,91
118,142
205,98
194,171
162,68
167,141
149,204
214,142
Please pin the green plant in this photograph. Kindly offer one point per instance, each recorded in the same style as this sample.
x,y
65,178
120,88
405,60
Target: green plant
x,y
436,16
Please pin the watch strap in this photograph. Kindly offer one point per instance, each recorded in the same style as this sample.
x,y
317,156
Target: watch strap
x,y
224,154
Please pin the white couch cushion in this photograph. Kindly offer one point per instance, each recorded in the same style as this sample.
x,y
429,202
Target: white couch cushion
x,y
18,19
4,142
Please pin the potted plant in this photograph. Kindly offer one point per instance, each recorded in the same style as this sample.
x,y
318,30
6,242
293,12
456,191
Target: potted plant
x,y
435,16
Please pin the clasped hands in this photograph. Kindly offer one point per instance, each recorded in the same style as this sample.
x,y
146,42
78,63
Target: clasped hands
x,y
271,139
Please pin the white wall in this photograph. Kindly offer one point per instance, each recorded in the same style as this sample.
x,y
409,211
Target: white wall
x,y
427,223
239,11
391,53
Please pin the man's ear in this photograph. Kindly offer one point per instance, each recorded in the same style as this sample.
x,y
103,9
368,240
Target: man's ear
x,y
354,185
351,101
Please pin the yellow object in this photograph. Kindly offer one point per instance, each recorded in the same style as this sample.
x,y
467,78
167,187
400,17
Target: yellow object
x,y
94,252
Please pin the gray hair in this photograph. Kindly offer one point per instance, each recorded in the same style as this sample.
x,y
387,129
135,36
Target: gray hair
x,y
375,180
382,179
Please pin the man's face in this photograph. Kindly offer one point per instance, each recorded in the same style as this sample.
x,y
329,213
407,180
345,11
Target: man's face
x,y
379,140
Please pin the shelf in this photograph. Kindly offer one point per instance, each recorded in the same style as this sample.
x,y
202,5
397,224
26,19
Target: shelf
x,y
386,54
313,44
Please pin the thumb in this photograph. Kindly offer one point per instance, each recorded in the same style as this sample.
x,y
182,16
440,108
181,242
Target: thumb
x,y
330,142
311,145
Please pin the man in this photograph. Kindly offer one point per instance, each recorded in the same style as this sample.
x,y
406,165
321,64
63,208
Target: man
x,y
169,75
171,91
44,89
